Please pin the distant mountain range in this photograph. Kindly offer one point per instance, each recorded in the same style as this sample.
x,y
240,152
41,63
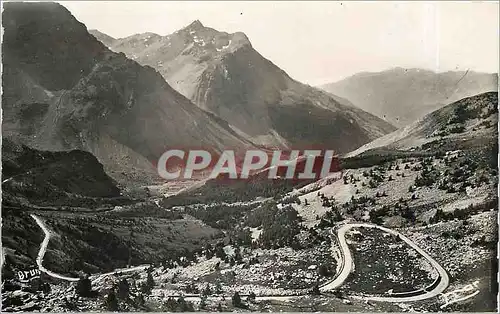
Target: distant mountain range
x,y
401,96
223,74
469,122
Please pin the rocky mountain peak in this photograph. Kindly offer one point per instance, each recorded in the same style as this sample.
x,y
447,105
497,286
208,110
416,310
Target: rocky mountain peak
x,y
196,24
84,96
222,73
209,39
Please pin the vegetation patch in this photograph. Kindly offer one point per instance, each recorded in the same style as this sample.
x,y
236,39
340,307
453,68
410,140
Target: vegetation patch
x,y
384,264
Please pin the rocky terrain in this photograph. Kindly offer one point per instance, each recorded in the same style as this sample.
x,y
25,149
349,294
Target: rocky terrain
x,y
63,89
280,250
37,178
468,122
87,227
95,227
241,250
224,74
400,96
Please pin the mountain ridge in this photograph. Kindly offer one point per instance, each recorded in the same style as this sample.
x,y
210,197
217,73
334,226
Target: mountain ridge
x,y
401,95
223,74
469,121
101,94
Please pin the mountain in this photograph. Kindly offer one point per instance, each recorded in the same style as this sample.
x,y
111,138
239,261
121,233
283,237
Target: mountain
x,y
105,39
78,202
33,178
468,122
222,73
401,96
63,89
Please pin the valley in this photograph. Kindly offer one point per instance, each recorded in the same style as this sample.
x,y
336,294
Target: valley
x,y
307,252
405,222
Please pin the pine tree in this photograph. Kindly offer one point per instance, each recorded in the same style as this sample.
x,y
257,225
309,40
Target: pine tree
x,y
237,254
324,271
150,282
170,305
111,302
123,289
219,252
251,297
218,288
203,302
84,287
207,290
183,306
236,300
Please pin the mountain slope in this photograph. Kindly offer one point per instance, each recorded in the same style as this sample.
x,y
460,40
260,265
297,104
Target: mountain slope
x,y
468,122
401,96
36,178
93,227
105,39
224,74
63,89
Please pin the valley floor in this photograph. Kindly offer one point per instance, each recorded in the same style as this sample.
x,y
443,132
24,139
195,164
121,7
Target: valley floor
x,y
317,247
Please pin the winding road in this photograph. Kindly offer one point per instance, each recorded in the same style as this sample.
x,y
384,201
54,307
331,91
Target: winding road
x,y
346,267
43,249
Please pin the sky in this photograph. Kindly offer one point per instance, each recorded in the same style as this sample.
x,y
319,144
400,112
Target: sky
x,y
322,42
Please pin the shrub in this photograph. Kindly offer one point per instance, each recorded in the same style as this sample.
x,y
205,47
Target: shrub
x,y
236,300
111,303
84,288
